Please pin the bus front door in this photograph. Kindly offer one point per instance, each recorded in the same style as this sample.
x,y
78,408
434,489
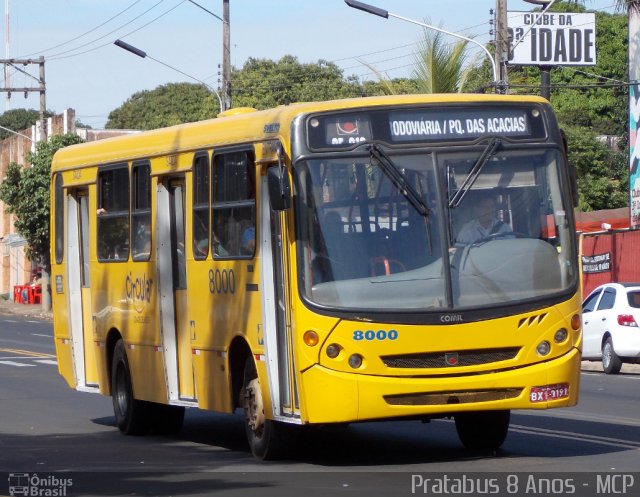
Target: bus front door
x,y
277,319
79,294
172,284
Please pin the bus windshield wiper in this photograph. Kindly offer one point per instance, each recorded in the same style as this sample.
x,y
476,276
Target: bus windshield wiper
x,y
488,152
398,179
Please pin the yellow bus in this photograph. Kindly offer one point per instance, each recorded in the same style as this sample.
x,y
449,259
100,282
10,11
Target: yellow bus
x,y
318,263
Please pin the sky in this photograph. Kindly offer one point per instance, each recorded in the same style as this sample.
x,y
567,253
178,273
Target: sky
x,y
86,72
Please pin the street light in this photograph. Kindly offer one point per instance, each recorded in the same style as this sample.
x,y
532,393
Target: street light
x,y
386,14
143,54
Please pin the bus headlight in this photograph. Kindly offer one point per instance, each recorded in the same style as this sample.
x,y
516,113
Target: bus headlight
x,y
561,335
543,348
333,350
355,361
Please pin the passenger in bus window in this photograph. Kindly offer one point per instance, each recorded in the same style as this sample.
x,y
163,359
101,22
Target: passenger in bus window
x,y
142,242
248,241
218,248
485,225
200,237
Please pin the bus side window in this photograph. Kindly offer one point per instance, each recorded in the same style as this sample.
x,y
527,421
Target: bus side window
x,y
233,208
141,212
113,213
201,207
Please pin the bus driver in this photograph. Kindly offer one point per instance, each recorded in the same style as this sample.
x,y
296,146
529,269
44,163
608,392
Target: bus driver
x,y
484,224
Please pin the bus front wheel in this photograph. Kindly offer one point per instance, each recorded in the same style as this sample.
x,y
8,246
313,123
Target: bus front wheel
x,y
264,435
483,429
130,413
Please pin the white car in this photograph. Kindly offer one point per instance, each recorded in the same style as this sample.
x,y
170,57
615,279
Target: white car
x,y
611,315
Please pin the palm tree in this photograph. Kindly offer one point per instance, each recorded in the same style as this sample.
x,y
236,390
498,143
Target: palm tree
x,y
440,67
633,5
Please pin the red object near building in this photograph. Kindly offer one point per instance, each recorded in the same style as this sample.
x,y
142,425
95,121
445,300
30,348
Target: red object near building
x,y
610,258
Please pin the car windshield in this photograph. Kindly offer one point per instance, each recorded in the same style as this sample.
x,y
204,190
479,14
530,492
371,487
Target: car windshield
x,y
365,242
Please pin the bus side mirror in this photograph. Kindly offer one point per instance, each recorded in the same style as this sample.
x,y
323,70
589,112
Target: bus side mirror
x,y
573,180
279,188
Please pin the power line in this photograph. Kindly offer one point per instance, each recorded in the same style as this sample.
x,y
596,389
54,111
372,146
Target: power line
x,y
60,55
41,52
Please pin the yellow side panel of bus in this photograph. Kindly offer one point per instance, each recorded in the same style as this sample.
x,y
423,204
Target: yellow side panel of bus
x,y
91,372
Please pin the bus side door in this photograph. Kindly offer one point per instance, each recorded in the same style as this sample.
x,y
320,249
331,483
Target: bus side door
x,y
79,294
172,285
277,314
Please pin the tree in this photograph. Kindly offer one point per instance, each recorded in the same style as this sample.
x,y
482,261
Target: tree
x,y
263,83
587,106
25,191
628,5
18,120
602,174
439,65
167,105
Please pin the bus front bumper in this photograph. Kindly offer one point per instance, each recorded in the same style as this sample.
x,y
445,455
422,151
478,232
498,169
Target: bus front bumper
x,y
338,397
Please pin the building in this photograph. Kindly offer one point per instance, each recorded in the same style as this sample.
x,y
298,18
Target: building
x,y
15,268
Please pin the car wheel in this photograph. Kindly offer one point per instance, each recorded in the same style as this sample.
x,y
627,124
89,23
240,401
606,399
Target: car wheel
x,y
611,363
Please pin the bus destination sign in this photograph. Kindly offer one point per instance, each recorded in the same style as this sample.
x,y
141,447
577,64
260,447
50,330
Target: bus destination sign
x,y
429,125
424,125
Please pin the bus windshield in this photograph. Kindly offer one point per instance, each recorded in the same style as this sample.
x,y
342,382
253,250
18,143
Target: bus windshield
x,y
489,227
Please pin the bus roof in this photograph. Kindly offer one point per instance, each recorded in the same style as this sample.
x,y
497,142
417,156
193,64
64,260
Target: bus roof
x,y
241,126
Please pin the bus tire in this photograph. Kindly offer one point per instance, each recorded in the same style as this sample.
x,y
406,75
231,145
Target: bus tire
x,y
482,430
611,362
131,414
264,435
167,420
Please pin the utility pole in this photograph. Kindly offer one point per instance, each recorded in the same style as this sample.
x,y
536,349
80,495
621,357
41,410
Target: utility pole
x,y
502,45
226,57
7,49
545,82
41,88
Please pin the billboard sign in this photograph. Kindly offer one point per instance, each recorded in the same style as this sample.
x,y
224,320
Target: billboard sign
x,y
634,119
552,39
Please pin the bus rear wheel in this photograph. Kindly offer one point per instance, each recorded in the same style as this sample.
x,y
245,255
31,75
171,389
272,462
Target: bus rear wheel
x,y
131,414
483,430
264,435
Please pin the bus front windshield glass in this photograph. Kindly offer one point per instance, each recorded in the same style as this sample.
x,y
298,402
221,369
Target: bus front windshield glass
x,y
433,231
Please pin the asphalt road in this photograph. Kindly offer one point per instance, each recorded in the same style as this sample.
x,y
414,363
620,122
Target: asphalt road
x,y
49,430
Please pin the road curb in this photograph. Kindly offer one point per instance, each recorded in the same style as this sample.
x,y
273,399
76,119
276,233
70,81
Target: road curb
x,y
26,310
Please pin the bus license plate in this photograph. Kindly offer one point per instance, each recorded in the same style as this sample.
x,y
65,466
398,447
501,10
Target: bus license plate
x,y
549,392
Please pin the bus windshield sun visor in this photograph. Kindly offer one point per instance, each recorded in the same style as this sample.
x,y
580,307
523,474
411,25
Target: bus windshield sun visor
x,y
488,152
398,179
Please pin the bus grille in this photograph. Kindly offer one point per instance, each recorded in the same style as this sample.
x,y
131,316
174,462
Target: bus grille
x,y
450,359
447,398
